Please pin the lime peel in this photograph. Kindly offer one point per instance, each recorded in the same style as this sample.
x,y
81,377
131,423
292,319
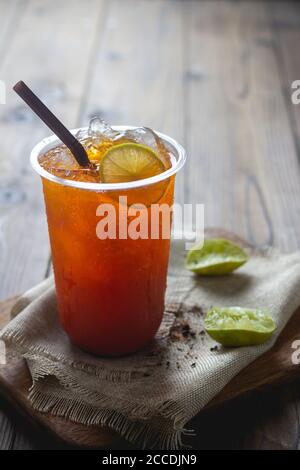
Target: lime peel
x,y
216,257
238,326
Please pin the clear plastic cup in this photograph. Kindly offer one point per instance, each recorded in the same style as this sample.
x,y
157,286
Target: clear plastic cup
x,y
110,291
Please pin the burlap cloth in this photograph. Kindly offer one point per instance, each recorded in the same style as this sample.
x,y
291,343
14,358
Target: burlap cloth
x,y
149,397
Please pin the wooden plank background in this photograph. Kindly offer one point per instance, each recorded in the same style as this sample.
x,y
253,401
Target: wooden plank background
x,y
217,76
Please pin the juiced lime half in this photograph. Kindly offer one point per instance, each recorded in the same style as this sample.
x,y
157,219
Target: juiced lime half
x,y
237,326
215,257
129,162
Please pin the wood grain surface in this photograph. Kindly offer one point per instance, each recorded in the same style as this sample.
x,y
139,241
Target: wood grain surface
x,y
217,76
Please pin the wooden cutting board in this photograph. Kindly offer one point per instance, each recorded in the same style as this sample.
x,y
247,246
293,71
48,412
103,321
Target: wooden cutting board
x,y
273,368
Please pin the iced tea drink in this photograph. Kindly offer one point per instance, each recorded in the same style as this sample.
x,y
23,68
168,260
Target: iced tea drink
x,y
110,285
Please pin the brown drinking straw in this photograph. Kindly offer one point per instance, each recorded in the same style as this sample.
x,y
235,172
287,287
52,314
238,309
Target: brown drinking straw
x,y
53,123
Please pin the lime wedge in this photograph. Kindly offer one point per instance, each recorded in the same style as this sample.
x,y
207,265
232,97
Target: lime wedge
x,y
215,257
129,162
237,326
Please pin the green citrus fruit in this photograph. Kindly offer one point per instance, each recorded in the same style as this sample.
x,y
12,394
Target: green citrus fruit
x,y
237,326
129,162
215,257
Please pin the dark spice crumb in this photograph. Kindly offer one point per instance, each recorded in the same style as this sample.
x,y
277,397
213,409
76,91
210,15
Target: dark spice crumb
x,y
187,355
185,330
168,364
202,332
194,364
197,309
181,331
215,348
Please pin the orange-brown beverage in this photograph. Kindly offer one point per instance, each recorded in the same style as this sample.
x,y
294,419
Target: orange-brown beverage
x,y
110,276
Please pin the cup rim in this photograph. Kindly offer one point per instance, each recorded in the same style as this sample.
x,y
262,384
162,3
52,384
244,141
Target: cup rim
x,y
51,141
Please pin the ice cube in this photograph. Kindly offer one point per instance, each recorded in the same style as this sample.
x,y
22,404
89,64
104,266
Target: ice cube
x,y
81,135
143,135
60,162
100,130
60,157
146,136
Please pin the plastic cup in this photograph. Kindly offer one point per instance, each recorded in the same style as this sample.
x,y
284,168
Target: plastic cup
x,y
110,291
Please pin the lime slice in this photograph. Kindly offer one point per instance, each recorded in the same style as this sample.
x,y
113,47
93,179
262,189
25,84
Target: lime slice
x,y
215,257
129,162
237,326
